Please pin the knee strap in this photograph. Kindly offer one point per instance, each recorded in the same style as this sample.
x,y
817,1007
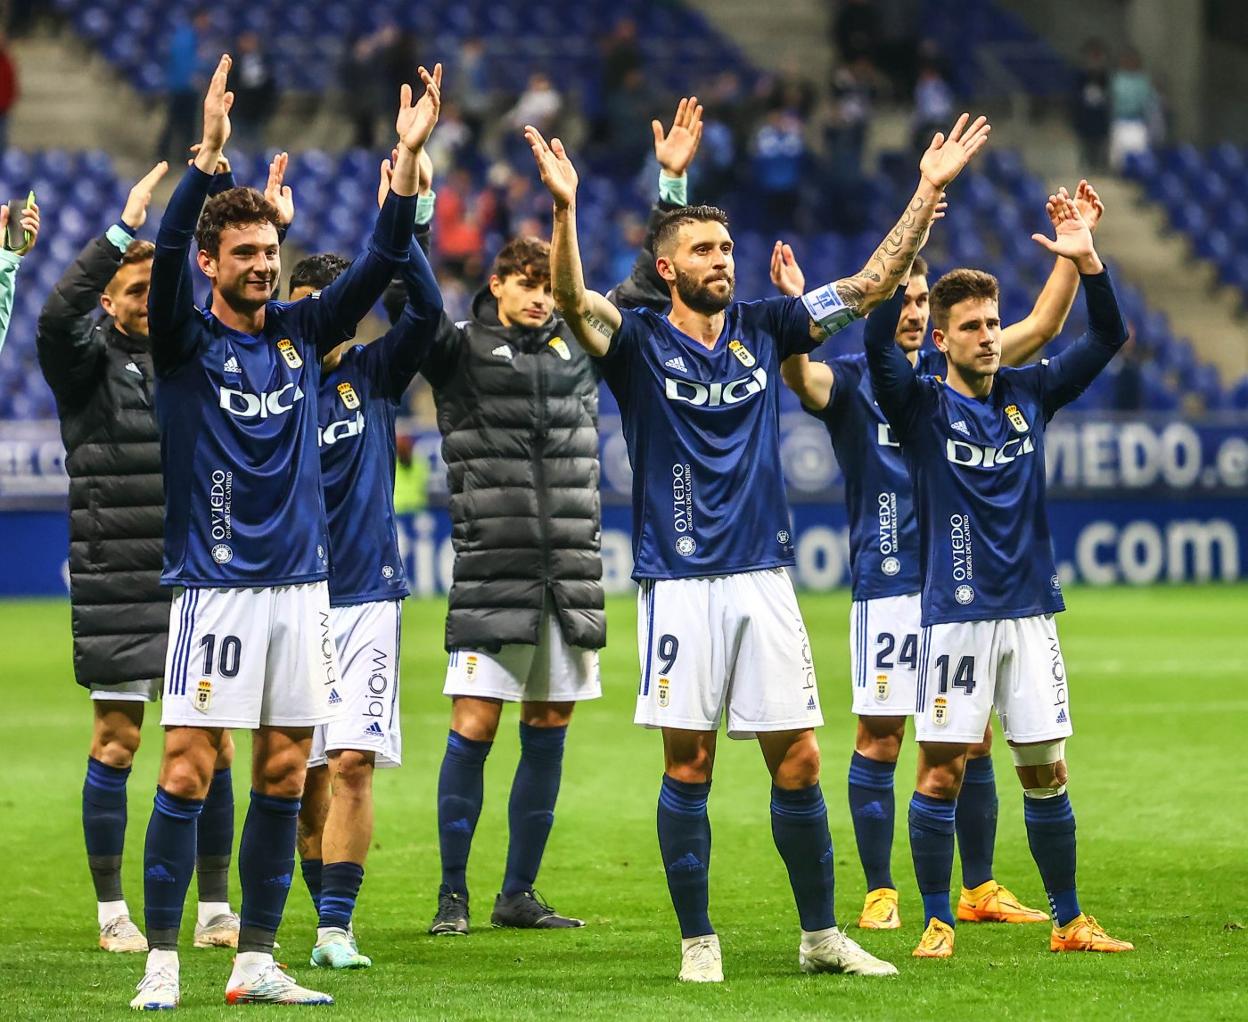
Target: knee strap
x,y
1039,754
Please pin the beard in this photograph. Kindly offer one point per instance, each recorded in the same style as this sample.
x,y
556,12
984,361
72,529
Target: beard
x,y
699,297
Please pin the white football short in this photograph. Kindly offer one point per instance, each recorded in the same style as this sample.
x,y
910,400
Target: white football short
x,y
728,642
884,654
968,667
128,692
241,658
549,672
366,637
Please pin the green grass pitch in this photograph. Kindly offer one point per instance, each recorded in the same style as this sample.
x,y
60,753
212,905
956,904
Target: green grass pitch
x,y
1160,701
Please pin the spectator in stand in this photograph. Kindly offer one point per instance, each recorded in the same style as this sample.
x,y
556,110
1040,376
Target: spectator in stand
x,y
456,229
471,87
628,105
255,94
933,103
1091,107
856,30
9,91
792,92
362,87
621,56
184,80
1134,107
853,90
452,145
539,105
779,155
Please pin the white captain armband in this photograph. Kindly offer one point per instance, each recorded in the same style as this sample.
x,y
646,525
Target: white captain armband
x,y
826,308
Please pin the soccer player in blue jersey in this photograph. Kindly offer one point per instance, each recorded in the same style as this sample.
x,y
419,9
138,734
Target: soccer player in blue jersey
x,y
719,627
361,392
886,577
251,643
974,446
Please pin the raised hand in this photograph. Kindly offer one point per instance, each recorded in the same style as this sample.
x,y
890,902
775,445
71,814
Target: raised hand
x,y
29,222
1073,236
223,161
217,104
416,120
786,274
1089,204
134,215
387,172
946,157
278,194
676,149
558,174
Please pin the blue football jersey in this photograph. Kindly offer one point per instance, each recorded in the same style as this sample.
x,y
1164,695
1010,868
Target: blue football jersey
x,y
357,405
978,467
703,434
883,534
237,412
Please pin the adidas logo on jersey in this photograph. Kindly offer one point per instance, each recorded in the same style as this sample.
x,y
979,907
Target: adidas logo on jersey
x,y
1061,715
231,366
502,351
677,363
810,703
961,427
373,729
334,697
131,367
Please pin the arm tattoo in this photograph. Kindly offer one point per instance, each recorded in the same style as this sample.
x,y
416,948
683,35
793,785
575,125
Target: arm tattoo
x,y
897,251
597,325
850,293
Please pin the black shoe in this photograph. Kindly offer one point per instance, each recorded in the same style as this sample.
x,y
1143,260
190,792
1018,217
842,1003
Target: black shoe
x,y
527,911
452,917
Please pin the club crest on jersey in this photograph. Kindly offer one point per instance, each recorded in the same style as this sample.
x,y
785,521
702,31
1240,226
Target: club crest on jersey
x,y
348,395
685,546
561,348
286,349
203,695
664,693
1016,418
470,666
940,711
881,687
742,353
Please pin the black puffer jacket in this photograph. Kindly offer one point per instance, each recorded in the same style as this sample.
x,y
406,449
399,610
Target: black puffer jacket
x,y
102,382
518,412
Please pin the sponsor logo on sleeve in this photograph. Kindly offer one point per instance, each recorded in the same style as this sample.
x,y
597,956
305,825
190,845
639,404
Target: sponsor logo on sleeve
x,y
286,348
348,395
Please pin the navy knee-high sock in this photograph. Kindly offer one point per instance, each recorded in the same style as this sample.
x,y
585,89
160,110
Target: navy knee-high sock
x,y
799,825
460,793
341,887
873,807
531,811
976,820
1051,835
104,826
215,839
685,844
266,861
168,862
312,870
931,845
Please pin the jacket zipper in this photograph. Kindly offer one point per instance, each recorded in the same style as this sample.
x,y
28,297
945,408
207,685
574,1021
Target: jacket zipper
x,y
539,468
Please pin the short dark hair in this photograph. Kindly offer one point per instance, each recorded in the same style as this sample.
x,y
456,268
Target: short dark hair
x,y
525,255
138,251
237,207
957,286
918,268
317,271
669,224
